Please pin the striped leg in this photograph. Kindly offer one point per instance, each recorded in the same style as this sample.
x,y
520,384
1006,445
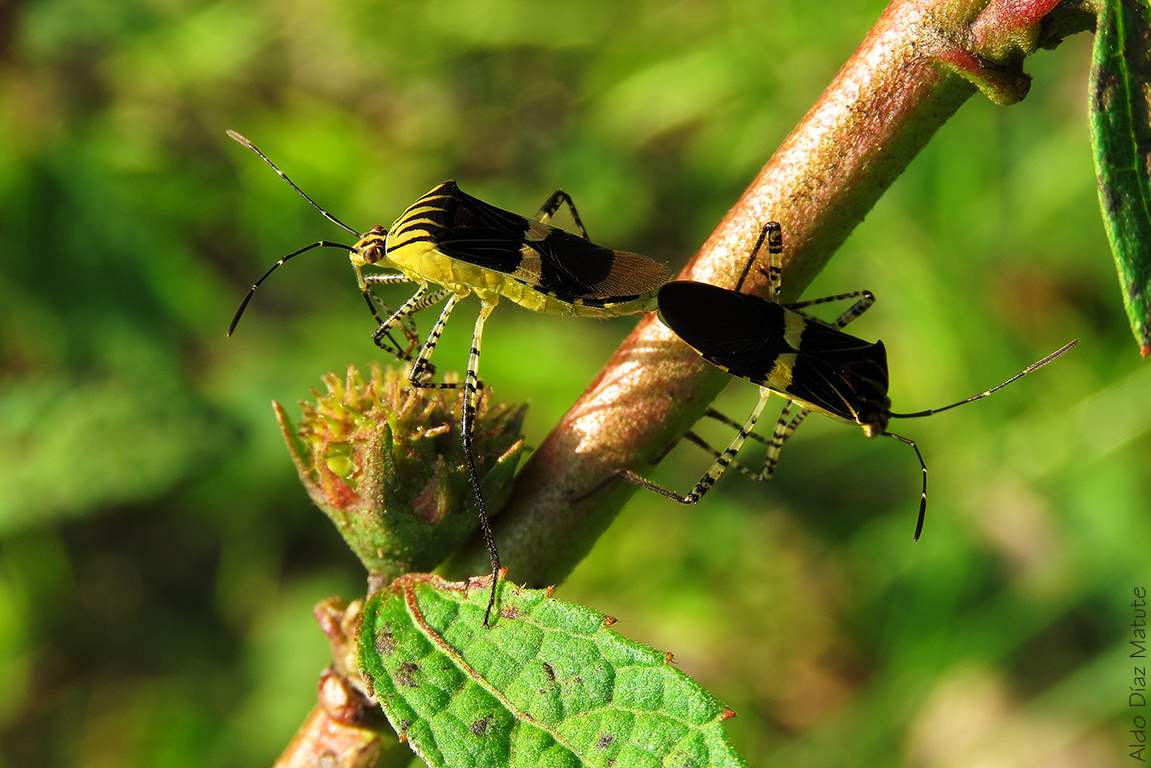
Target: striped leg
x,y
721,463
553,203
399,317
784,427
384,328
423,365
866,299
430,300
772,232
408,328
472,391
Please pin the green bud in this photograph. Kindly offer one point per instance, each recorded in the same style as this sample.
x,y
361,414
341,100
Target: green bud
x,y
384,461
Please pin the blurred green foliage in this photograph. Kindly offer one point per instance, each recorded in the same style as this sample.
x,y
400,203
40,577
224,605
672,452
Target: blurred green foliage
x,y
158,558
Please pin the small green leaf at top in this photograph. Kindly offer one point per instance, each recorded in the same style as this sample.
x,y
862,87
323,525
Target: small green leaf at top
x,y
1121,142
547,685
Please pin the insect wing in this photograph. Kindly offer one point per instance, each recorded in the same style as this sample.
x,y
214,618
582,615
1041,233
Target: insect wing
x,y
570,265
546,258
819,367
843,376
740,333
471,231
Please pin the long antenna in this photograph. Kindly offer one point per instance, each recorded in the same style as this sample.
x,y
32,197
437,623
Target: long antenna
x,y
305,249
284,176
923,465
1033,367
922,493
277,265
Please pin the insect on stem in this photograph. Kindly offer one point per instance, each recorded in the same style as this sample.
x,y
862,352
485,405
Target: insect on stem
x,y
464,245
810,363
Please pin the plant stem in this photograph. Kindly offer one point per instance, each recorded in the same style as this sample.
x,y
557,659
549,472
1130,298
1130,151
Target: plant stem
x,y
911,73
346,728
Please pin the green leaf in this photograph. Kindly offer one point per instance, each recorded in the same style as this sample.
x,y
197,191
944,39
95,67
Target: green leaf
x,y
547,685
1121,140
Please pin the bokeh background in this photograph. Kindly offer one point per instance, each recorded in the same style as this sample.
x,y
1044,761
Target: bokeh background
x,y
159,559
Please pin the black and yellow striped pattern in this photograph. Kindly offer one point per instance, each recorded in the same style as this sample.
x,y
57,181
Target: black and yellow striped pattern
x,y
460,243
810,363
464,246
452,239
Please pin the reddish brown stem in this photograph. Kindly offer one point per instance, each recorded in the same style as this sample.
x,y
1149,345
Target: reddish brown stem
x,y
346,728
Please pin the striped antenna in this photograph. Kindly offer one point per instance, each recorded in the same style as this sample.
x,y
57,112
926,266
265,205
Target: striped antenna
x,y
284,176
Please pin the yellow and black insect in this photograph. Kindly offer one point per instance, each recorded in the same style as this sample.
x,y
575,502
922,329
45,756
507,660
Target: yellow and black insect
x,y
812,364
464,246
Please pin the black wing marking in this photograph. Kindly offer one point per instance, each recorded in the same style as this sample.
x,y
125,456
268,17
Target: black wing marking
x,y
736,331
850,386
546,258
477,233
835,372
571,265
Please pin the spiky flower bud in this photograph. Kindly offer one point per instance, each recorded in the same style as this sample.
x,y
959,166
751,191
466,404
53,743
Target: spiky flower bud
x,y
384,461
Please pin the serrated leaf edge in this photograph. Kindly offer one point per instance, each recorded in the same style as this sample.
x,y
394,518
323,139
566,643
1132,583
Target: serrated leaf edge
x,y
437,582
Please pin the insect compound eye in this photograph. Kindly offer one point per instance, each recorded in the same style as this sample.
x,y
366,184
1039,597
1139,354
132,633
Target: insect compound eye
x,y
377,230
372,253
